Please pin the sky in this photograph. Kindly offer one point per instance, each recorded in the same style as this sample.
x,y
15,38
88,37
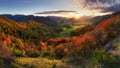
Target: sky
x,y
33,6
66,8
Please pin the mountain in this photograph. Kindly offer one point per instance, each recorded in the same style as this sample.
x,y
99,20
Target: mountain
x,y
50,20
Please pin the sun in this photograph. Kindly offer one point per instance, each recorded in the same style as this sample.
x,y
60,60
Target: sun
x,y
77,16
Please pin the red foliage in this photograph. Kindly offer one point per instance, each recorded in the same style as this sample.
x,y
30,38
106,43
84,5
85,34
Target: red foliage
x,y
54,41
30,47
5,52
43,46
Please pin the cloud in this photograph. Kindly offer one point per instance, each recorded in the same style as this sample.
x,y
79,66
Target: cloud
x,y
102,5
57,12
114,8
60,13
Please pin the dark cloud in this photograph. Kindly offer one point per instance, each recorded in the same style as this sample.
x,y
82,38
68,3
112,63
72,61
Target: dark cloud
x,y
114,8
103,5
56,12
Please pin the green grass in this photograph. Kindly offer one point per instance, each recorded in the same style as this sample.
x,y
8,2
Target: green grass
x,y
67,31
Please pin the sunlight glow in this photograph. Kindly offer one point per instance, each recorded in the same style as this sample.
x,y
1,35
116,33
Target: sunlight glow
x,y
75,15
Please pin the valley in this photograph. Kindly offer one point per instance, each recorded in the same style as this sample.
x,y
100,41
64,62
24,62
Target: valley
x,y
27,44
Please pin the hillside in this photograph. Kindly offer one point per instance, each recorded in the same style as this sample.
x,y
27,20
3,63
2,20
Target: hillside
x,y
35,39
